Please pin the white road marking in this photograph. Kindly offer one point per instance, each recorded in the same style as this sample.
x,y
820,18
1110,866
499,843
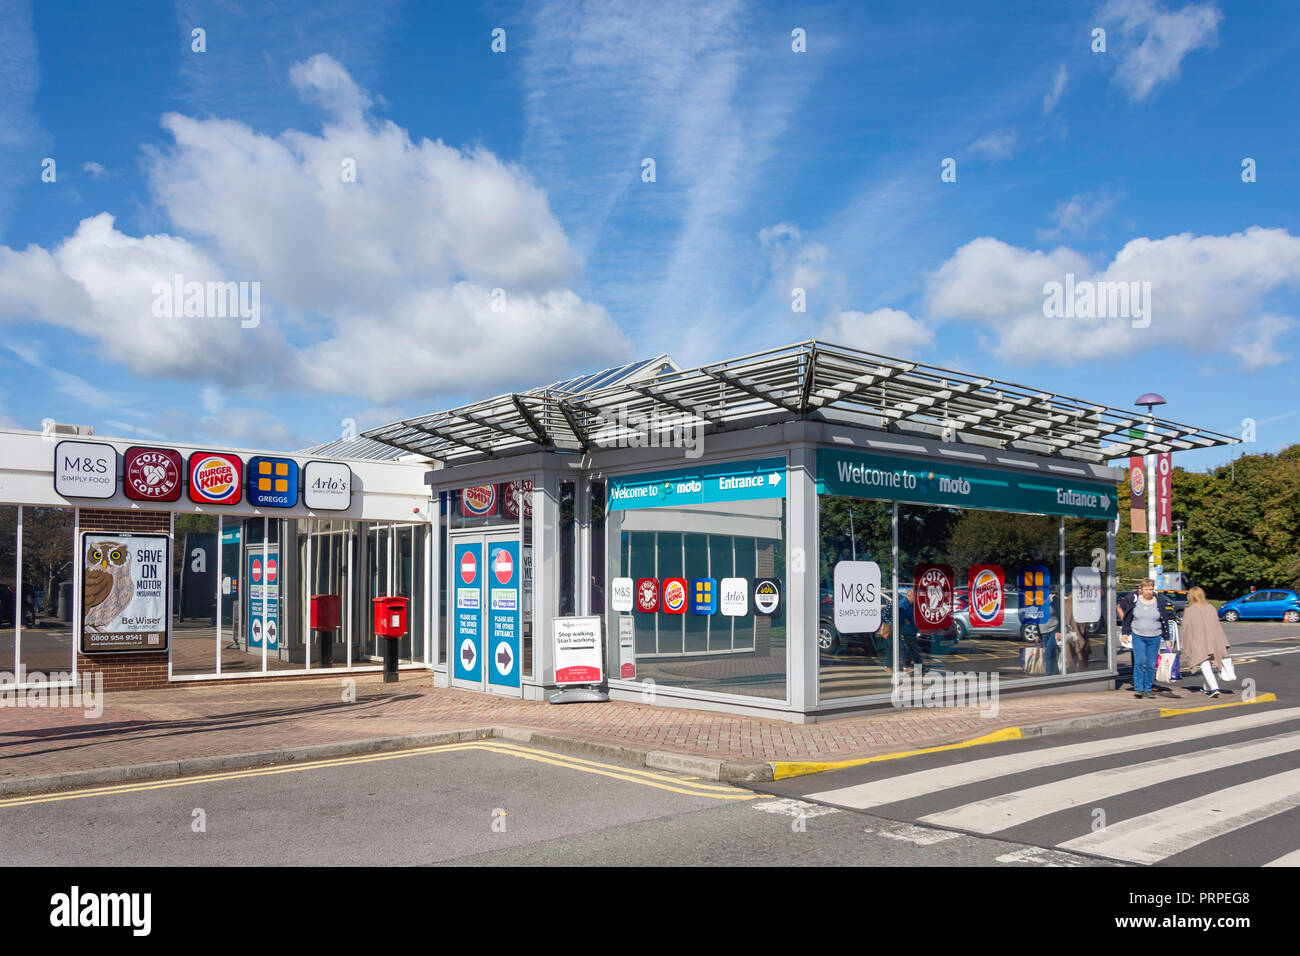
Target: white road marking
x,y
794,808
1155,836
1291,859
909,785
1034,856
1012,809
909,833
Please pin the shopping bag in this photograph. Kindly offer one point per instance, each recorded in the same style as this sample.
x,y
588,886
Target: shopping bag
x,y
1031,660
1126,642
1167,669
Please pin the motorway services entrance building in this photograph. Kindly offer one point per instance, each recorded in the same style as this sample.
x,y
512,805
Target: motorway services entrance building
x,y
785,534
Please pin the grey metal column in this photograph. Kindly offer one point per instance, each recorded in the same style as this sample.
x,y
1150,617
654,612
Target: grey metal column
x,y
894,617
802,563
1108,606
1061,623
546,558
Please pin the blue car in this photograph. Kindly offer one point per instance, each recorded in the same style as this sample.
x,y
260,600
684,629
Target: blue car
x,y
1262,605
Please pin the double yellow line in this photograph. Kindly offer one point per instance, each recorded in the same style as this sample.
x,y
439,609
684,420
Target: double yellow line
x,y
690,786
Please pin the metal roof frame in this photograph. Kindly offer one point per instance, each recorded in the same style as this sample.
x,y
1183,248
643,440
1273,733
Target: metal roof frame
x,y
810,380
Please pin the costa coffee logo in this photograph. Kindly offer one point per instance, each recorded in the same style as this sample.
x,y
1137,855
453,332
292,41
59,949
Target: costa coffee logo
x,y
933,597
647,595
152,474
985,597
215,478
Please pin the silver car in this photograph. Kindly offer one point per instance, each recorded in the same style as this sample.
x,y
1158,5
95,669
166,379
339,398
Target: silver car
x,y
1011,626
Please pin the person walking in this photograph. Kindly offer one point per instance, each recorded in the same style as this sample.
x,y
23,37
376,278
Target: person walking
x,y
1204,643
1145,615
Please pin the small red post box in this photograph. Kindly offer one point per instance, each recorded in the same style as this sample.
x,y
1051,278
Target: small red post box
x,y
390,616
324,612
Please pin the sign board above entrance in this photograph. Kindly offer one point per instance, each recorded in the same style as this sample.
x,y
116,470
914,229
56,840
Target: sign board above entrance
x,y
705,484
949,484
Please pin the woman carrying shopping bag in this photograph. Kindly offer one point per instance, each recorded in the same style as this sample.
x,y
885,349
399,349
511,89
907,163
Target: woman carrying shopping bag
x,y
1204,643
1145,615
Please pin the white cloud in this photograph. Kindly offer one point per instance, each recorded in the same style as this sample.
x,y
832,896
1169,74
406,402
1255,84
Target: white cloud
x,y
795,264
1077,215
381,288
884,331
1207,295
96,170
1157,40
996,145
1053,96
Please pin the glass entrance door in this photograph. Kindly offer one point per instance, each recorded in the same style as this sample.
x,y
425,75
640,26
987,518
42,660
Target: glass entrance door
x,y
485,589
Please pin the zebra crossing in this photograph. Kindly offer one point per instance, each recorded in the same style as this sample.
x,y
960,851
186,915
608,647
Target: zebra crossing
x,y
1222,787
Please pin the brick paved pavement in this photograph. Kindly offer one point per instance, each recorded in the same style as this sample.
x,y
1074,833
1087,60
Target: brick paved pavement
x,y
212,719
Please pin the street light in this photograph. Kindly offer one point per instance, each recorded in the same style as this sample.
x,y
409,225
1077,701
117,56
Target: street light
x,y
1150,400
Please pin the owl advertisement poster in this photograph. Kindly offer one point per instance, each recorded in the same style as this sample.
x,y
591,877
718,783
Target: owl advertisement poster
x,y
124,592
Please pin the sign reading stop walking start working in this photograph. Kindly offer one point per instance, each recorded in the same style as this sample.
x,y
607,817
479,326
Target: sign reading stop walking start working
x,y
577,650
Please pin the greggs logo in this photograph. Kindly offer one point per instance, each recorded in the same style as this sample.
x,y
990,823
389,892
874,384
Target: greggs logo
x,y
215,479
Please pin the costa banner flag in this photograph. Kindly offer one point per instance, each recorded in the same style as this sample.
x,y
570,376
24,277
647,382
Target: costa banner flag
x,y
1137,485
1164,492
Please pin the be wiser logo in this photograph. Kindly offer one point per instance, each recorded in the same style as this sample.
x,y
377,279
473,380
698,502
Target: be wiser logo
x,y
216,478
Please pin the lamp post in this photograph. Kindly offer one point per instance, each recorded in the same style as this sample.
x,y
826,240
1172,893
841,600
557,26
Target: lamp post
x,y
1150,400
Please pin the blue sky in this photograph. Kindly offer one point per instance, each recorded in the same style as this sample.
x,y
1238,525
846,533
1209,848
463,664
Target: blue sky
x,y
524,171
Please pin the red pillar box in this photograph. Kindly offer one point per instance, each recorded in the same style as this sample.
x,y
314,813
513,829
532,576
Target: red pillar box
x,y
325,614
390,616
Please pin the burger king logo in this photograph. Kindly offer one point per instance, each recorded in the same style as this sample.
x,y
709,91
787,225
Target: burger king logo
x,y
1137,479
674,596
986,595
478,501
215,478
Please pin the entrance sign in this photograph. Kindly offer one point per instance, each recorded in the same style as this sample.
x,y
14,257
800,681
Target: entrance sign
x,y
865,475
85,469
503,613
469,612
1035,582
1085,587
124,592
706,484
577,650
857,597
987,595
932,597
620,595
152,474
767,596
733,598
326,486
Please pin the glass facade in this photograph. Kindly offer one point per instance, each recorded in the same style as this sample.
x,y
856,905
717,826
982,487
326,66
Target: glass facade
x,y
702,545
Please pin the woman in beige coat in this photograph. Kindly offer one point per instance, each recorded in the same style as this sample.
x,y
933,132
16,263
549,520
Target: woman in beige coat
x,y
1203,641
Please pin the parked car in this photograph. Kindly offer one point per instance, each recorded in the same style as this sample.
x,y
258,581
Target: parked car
x,y
1273,604
830,641
1011,626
